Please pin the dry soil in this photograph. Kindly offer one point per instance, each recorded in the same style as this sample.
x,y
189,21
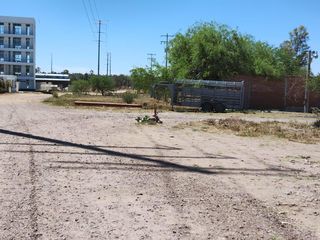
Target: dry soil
x,y
70,173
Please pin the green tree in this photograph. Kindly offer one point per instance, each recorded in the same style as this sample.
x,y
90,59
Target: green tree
x,y
211,51
296,49
101,84
314,83
142,79
299,38
266,61
80,87
121,81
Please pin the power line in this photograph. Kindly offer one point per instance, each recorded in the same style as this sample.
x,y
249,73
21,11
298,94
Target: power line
x,y
109,63
92,13
95,6
166,42
152,59
51,63
107,73
99,47
88,18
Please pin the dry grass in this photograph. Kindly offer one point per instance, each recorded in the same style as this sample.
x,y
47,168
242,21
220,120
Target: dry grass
x,y
293,131
67,100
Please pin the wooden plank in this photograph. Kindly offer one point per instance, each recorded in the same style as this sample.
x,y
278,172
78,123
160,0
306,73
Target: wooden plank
x,y
106,104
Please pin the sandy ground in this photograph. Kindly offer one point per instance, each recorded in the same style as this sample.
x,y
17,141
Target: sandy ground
x,y
85,174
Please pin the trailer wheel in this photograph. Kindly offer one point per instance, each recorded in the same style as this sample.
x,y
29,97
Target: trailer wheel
x,y
219,108
206,107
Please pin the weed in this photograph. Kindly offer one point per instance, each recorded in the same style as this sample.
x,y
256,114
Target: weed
x,y
146,120
293,131
55,94
316,124
128,97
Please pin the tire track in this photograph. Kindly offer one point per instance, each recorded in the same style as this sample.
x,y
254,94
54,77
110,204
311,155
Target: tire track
x,y
33,178
173,197
263,211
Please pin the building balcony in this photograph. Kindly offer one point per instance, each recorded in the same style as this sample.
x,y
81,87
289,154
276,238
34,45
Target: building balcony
x,y
17,47
16,61
19,33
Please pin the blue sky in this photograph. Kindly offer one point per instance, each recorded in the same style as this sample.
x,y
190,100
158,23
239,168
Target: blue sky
x,y
133,27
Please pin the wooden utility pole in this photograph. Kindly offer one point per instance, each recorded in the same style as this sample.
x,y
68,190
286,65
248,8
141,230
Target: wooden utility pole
x,y
99,41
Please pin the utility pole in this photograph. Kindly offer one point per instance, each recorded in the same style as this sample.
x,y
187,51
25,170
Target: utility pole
x,y
311,55
166,42
99,47
107,73
152,59
110,63
51,63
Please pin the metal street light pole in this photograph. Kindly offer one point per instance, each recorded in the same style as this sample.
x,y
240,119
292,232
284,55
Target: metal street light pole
x,y
311,55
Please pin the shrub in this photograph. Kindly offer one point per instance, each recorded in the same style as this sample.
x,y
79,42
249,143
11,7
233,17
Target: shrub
x,y
55,94
80,87
101,84
316,124
128,97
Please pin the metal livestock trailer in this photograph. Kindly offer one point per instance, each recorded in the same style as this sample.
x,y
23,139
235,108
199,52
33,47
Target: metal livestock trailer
x,y
208,95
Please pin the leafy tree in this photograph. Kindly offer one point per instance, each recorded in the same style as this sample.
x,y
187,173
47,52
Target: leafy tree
x,y
266,61
314,83
213,51
80,87
299,38
293,52
142,79
78,76
121,81
101,84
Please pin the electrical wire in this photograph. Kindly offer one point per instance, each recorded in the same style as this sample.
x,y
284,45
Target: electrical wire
x,y
95,20
88,18
95,6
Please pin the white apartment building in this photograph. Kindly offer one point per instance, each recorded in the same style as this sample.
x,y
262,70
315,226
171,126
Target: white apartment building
x,y
17,50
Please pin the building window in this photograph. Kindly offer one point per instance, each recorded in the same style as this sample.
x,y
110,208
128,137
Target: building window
x,y
17,43
28,43
1,42
17,70
28,57
17,29
1,56
2,69
1,28
17,57
28,70
28,27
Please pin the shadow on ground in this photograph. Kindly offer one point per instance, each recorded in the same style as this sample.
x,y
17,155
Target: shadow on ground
x,y
154,164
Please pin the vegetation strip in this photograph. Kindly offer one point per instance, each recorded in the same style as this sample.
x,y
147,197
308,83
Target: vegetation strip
x,y
107,104
293,131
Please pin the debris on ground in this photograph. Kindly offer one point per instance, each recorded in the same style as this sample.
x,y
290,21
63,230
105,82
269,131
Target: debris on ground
x,y
154,119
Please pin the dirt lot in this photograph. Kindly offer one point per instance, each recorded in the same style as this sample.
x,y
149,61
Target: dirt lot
x,y
70,173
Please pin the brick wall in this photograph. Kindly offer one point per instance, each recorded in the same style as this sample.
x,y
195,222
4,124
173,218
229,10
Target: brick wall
x,y
261,93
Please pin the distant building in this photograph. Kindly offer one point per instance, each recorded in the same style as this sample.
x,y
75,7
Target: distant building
x,y
17,50
8,83
46,79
